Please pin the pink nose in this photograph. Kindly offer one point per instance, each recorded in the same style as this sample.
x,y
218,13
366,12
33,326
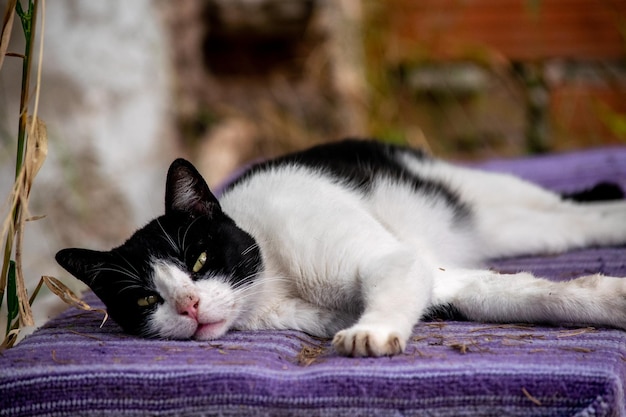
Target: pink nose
x,y
188,306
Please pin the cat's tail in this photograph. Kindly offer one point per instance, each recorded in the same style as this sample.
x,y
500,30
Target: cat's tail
x,y
603,191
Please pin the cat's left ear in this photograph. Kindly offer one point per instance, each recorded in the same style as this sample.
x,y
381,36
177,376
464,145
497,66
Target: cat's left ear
x,y
187,191
82,263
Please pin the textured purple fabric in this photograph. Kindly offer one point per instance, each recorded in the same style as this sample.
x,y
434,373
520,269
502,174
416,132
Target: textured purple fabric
x,y
71,366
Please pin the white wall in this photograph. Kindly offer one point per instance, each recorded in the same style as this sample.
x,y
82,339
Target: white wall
x,y
105,98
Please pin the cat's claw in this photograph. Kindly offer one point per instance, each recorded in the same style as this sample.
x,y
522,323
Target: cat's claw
x,y
359,341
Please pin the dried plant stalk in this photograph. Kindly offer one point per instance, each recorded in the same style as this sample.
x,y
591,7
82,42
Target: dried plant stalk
x,y
65,294
31,153
5,31
36,152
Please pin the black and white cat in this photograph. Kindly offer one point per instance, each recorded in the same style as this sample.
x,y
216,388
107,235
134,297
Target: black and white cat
x,y
356,240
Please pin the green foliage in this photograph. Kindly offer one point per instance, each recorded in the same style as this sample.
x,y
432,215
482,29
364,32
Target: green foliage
x,y
26,18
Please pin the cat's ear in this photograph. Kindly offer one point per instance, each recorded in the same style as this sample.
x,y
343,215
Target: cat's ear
x,y
82,263
186,191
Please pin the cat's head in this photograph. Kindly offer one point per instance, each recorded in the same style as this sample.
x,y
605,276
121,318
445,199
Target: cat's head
x,y
186,274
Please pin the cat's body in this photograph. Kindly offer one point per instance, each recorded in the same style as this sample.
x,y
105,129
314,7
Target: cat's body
x,y
355,240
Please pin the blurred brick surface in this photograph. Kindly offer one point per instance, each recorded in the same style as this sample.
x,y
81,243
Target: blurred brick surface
x,y
517,29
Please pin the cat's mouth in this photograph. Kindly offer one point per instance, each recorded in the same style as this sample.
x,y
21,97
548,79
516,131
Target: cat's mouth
x,y
213,330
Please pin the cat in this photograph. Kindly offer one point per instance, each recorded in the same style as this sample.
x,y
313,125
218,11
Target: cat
x,y
355,240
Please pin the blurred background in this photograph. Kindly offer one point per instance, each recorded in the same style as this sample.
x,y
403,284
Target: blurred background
x,y
129,86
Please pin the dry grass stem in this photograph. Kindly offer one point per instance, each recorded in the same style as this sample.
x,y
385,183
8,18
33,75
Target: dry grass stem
x,y
89,336
530,397
504,326
59,361
576,332
36,152
31,155
5,32
65,294
577,349
309,354
10,339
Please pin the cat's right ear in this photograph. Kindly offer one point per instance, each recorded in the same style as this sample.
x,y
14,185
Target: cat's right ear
x,y
187,191
82,263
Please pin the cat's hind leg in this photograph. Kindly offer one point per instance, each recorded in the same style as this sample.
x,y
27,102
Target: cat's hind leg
x,y
484,295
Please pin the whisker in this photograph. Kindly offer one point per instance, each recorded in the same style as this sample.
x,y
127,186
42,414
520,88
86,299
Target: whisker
x,y
185,235
178,237
247,289
126,260
129,287
132,282
250,248
245,279
245,286
120,270
168,238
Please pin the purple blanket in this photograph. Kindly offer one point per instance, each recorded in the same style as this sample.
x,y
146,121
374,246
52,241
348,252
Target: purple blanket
x,y
71,366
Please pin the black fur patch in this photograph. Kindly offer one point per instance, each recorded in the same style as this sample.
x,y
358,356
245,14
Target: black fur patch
x,y
357,163
443,312
604,191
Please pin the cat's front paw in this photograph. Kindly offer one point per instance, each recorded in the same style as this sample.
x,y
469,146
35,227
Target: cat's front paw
x,y
360,341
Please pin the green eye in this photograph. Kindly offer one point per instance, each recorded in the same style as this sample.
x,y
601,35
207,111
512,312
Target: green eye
x,y
199,262
147,301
